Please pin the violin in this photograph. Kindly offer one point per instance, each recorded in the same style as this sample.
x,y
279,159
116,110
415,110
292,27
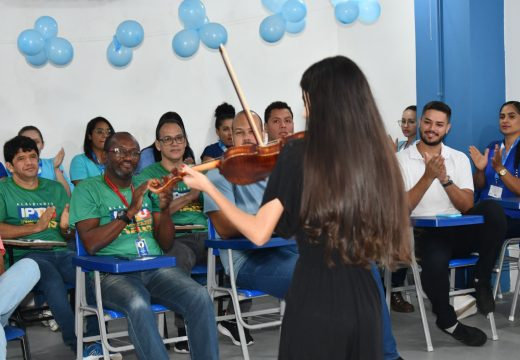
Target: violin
x,y
240,165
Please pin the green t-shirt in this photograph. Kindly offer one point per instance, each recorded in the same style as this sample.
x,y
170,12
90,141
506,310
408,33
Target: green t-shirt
x,y
19,206
94,199
190,214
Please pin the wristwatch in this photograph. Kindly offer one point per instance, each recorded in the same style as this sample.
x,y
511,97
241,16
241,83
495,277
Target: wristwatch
x,y
447,183
122,215
502,172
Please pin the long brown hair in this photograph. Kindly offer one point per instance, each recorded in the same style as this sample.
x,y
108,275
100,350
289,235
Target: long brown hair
x,y
353,197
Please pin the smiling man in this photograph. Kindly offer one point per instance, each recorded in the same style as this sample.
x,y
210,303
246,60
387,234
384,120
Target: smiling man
x,y
114,218
439,182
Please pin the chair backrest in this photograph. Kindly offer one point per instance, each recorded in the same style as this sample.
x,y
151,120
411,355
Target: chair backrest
x,y
212,235
80,249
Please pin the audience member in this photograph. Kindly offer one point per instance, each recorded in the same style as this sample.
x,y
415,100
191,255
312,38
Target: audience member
x,y
15,284
91,162
52,168
37,208
224,114
185,208
439,182
408,124
278,119
151,155
343,318
3,172
496,173
113,218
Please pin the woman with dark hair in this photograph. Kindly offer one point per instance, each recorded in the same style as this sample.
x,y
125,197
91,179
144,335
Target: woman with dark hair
x,y
150,154
497,168
224,114
408,124
345,213
52,168
91,162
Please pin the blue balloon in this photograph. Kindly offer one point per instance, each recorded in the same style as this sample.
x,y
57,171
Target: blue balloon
x,y
46,26
336,2
130,33
274,6
30,42
272,28
192,14
186,42
212,35
294,11
347,12
59,51
295,27
39,59
119,55
369,11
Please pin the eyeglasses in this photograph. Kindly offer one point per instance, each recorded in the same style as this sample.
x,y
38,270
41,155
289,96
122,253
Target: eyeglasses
x,y
406,122
168,140
121,153
100,131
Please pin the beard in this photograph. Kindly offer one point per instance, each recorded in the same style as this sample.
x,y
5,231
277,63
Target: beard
x,y
432,143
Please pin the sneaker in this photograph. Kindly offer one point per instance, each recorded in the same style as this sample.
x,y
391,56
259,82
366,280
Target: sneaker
x,y
468,335
230,329
94,351
181,347
484,296
464,306
399,304
53,325
45,314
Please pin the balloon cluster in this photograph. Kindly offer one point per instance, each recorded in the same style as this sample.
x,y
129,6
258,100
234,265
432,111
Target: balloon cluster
x,y
348,11
289,15
197,28
41,44
129,34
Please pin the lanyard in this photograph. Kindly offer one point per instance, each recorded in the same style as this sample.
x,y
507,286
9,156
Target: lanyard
x,y
100,166
115,189
222,146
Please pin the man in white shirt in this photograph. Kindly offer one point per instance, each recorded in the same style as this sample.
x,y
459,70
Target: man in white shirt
x,y
439,182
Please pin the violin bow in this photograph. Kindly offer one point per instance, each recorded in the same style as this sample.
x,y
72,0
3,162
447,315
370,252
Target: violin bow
x,y
241,96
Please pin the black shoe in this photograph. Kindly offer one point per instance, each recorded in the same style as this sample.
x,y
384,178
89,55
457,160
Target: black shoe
x,y
399,304
181,347
230,329
468,335
484,296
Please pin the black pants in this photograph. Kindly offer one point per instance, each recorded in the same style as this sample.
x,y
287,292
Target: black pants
x,y
436,246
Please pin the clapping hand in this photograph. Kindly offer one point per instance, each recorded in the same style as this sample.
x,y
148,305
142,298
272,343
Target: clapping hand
x,y
480,160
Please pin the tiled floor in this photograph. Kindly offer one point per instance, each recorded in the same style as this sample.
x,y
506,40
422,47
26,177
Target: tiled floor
x,y
47,345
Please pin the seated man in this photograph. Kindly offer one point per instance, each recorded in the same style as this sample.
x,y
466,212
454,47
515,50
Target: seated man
x,y
278,119
185,208
15,284
113,218
268,270
439,182
37,208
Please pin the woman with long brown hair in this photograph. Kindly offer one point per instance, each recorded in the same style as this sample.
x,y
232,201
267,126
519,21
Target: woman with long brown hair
x,y
345,213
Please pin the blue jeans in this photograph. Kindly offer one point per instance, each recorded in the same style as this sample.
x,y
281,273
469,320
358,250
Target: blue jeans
x,y
15,283
57,272
269,270
389,345
133,293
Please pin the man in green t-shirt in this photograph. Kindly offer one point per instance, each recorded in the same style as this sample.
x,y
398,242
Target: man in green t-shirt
x,y
185,209
37,208
114,218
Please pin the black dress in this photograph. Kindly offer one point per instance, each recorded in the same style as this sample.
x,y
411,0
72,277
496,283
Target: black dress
x,y
331,313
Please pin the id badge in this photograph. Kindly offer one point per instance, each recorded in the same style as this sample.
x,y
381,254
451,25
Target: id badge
x,y
140,245
495,191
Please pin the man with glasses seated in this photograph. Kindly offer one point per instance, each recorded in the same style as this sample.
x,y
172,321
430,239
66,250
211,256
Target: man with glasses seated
x,y
186,207
439,182
114,218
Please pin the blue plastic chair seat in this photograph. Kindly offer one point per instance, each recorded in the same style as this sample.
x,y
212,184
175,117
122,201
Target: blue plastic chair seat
x,y
13,332
470,261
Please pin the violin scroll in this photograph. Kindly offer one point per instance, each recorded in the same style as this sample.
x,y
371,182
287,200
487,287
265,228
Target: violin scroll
x,y
166,182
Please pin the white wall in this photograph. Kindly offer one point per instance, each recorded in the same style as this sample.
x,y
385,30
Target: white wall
x,y
512,48
60,101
